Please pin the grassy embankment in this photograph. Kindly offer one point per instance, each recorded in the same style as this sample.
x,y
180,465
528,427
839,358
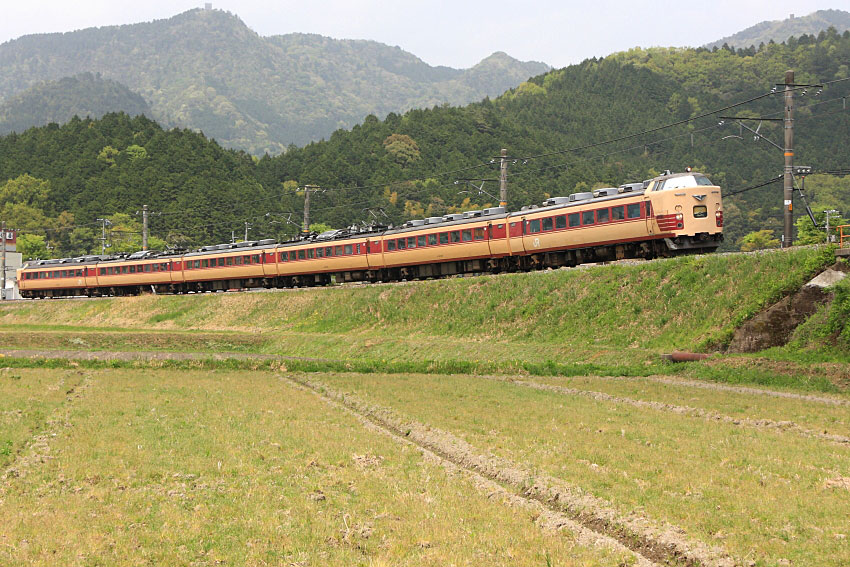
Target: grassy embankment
x,y
609,319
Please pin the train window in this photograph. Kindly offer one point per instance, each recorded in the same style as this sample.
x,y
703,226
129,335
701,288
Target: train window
x,y
292,256
648,209
197,264
420,241
467,235
561,221
221,261
329,251
587,217
283,257
480,234
603,215
165,266
348,249
411,242
401,244
700,211
444,238
205,263
103,271
534,226
256,259
337,250
147,267
455,236
618,213
634,210
547,223
155,267
300,254
320,252
390,245
311,253
432,239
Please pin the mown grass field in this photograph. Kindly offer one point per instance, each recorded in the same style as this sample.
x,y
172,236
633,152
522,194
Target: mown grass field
x,y
128,460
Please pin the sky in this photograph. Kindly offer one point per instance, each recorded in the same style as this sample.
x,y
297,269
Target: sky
x,y
455,33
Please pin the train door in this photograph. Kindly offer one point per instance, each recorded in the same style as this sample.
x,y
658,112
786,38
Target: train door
x,y
649,213
516,230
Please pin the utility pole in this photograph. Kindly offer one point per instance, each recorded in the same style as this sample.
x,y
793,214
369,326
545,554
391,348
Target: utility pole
x,y
503,179
3,261
247,226
305,229
144,227
103,222
788,236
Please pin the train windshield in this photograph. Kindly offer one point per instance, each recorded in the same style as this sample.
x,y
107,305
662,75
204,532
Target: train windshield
x,y
683,181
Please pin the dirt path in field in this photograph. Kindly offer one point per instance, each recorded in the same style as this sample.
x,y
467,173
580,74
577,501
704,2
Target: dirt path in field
x,y
657,543
38,450
710,415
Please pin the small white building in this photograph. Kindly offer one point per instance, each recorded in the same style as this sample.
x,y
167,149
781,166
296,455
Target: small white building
x,y
13,263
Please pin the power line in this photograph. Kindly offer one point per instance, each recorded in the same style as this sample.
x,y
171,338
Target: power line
x,y
657,128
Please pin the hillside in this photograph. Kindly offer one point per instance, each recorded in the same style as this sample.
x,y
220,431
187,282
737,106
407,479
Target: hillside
x,y
780,30
206,70
395,167
58,101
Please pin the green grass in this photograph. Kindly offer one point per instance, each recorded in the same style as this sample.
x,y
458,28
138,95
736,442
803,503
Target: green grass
x,y
761,494
159,467
811,415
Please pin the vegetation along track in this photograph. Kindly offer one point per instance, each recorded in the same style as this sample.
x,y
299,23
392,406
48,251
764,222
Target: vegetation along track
x,y
664,544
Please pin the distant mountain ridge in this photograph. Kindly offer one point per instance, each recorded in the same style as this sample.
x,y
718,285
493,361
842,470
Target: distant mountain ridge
x,y
206,70
83,95
781,30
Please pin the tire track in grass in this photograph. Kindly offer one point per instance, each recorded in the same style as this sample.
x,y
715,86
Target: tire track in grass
x,y
37,449
545,518
737,389
709,415
656,543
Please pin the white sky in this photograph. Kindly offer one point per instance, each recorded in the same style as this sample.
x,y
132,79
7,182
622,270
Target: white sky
x,y
456,33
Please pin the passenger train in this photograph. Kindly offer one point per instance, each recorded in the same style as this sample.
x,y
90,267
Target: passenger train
x,y
671,214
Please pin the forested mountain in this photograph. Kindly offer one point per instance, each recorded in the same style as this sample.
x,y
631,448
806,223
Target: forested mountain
x,y
58,101
406,166
206,70
780,30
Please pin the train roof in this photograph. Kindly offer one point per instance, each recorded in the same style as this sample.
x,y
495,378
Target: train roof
x,y
339,235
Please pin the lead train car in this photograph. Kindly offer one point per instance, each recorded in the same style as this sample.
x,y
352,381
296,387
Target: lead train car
x,y
665,216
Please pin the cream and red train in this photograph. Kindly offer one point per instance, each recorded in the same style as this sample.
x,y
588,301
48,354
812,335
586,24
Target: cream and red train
x,y
668,215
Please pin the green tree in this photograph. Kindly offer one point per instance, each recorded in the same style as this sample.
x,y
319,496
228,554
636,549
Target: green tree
x,y
402,148
25,190
758,240
807,233
32,246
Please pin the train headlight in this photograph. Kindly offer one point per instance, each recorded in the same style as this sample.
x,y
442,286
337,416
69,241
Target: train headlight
x,y
679,217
